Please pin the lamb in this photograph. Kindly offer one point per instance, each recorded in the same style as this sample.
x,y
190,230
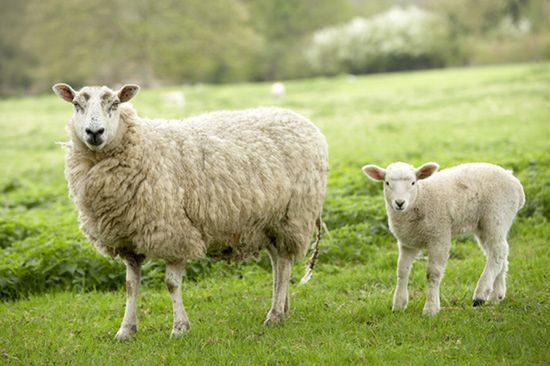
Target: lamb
x,y
223,184
477,198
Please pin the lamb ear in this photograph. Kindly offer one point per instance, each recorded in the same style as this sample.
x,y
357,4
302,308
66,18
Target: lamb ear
x,y
127,92
426,170
64,91
374,172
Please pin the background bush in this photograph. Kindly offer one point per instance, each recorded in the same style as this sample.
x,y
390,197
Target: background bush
x,y
399,39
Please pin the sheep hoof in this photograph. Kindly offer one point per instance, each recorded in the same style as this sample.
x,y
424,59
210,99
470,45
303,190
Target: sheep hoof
x,y
273,318
478,302
179,329
126,332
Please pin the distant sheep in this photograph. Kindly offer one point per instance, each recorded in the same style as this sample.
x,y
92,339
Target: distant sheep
x,y
223,184
278,90
480,199
175,98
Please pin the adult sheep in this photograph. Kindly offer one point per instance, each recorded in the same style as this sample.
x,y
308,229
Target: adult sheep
x,y
223,184
426,211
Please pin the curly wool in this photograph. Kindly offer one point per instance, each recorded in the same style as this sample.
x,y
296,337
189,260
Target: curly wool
x,y
222,184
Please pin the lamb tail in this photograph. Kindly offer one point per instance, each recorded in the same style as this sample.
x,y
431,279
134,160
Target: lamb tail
x,y
313,259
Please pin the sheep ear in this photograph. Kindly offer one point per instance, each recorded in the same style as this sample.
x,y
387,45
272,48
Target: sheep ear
x,y
127,92
374,172
426,170
64,91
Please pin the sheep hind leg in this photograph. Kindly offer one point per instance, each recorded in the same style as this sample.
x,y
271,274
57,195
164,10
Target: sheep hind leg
x,y
174,272
281,276
133,274
493,278
273,256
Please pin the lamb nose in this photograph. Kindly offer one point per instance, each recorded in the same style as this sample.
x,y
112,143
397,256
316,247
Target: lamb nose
x,y
399,203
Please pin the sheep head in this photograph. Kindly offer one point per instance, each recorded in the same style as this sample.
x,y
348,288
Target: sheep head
x,y
95,120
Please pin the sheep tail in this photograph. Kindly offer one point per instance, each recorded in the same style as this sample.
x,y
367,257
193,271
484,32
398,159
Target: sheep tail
x,y
313,259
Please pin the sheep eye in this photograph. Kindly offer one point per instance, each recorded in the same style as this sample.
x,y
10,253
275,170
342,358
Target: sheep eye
x,y
412,184
387,183
114,106
77,107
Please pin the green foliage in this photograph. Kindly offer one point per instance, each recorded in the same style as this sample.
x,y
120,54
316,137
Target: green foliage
x,y
30,267
12,231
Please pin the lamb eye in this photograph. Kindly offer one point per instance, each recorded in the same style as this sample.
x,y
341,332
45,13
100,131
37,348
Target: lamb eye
x,y
77,106
114,105
387,183
412,184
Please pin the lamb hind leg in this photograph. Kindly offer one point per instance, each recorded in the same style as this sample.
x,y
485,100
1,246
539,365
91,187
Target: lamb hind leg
x,y
494,273
129,322
174,272
499,286
281,277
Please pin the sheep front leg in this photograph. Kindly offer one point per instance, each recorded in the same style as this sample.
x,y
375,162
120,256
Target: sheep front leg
x,y
129,322
174,272
438,254
404,263
281,278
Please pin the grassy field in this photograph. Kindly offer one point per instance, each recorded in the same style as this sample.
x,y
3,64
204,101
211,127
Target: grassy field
x,y
496,114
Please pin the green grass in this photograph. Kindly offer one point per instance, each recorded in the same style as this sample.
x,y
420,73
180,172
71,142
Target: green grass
x,y
495,114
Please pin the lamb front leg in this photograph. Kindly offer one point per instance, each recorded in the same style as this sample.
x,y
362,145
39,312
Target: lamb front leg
x,y
174,272
404,264
129,322
438,254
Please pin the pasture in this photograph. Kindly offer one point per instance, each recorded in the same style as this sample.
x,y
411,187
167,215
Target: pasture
x,y
62,302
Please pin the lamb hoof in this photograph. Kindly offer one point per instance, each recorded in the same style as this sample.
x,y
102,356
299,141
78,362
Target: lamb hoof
x,y
496,298
430,310
126,332
478,302
397,308
399,304
273,318
180,328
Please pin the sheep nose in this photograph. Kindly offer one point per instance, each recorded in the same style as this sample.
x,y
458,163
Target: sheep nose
x,y
400,203
94,136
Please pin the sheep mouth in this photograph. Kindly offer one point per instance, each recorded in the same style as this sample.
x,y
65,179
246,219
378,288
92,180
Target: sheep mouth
x,y
95,145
